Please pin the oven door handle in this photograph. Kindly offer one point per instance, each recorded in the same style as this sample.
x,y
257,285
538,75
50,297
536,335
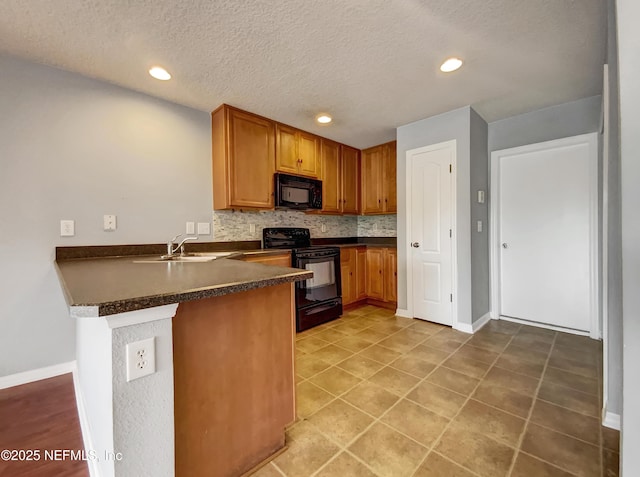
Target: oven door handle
x,y
323,308
312,255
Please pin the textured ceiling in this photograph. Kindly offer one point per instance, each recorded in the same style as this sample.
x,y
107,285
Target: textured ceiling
x,y
373,64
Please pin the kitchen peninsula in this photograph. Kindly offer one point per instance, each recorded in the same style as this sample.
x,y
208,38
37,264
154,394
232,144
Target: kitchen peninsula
x,y
223,337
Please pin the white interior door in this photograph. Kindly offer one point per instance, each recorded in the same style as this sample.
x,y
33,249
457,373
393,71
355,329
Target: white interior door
x,y
544,232
431,224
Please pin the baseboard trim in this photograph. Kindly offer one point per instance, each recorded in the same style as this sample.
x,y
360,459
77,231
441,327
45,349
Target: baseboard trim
x,y
545,325
36,374
475,326
84,424
479,323
611,420
403,313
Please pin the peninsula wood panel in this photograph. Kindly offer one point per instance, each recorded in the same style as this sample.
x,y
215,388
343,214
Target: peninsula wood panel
x,y
233,379
243,156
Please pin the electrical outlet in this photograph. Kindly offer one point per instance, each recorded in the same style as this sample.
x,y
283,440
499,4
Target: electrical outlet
x,y
323,228
252,228
204,228
375,226
109,223
141,358
479,226
191,228
67,228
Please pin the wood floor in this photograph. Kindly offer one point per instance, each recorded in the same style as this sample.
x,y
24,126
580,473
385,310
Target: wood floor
x,y
41,416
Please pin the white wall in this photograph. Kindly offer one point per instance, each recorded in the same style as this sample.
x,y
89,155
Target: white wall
x,y
614,238
629,64
555,122
479,180
76,148
434,130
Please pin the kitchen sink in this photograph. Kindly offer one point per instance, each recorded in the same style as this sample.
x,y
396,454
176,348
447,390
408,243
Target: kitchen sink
x,y
188,258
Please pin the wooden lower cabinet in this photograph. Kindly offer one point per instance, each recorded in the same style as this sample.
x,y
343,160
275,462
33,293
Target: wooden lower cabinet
x,y
390,273
375,270
234,383
369,274
361,273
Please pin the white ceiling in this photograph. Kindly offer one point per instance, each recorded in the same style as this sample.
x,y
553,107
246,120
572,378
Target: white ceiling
x,y
373,64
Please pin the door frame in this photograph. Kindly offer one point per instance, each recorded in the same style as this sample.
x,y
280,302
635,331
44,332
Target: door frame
x,y
591,140
452,145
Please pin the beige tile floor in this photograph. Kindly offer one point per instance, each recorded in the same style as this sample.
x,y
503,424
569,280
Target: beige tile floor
x,y
384,396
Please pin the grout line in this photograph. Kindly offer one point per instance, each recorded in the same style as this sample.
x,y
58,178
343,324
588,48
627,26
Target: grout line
x,y
480,380
401,397
549,463
533,405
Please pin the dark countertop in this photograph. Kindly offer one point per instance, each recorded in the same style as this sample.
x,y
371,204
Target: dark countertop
x,y
104,280
110,285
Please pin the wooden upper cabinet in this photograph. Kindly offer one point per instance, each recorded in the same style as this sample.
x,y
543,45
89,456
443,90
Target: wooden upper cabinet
x,y
243,155
350,195
378,166
389,188
286,149
371,170
297,152
331,176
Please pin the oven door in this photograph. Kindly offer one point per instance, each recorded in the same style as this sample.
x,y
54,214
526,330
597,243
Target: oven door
x,y
325,284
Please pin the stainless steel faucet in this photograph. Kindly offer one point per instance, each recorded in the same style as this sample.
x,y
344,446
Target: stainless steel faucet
x,y
172,247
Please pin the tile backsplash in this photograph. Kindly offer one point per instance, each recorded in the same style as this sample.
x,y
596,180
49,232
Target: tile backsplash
x,y
377,226
235,225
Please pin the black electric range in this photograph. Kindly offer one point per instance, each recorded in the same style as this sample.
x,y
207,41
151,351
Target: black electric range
x,y
318,299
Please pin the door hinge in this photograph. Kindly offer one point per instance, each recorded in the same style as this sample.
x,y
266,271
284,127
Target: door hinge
x,y
451,297
450,168
450,233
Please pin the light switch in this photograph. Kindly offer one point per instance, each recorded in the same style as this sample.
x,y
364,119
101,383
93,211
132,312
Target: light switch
x,y
480,197
191,228
204,228
252,228
67,228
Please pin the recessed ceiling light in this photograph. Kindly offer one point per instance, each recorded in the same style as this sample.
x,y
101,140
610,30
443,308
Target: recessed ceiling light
x,y
323,118
450,64
160,73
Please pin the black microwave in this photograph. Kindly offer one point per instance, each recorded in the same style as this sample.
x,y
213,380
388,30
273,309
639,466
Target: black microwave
x,y
294,192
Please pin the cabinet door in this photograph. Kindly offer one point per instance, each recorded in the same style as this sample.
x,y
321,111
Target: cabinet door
x,y
371,170
286,149
308,154
330,161
390,275
361,273
350,180
375,270
251,160
389,190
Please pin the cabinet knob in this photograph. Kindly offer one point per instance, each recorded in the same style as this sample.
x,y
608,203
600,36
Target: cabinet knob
x,y
385,199
378,201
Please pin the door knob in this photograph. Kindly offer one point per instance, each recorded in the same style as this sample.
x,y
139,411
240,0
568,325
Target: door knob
x,y
415,244
505,245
